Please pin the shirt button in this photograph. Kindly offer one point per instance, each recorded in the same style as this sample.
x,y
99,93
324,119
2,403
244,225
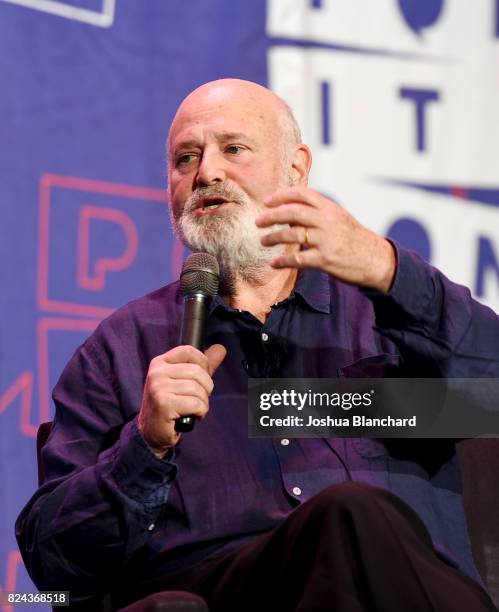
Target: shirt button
x,y
151,527
265,337
284,441
296,491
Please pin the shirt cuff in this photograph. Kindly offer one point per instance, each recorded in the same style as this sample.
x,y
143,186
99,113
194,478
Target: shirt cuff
x,y
136,470
412,292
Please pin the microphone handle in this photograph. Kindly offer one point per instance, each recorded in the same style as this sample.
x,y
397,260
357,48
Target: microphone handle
x,y
192,333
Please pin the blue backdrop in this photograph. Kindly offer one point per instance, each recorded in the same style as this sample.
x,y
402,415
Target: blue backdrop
x,y
88,89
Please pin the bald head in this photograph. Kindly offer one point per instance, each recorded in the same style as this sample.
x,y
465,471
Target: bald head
x,y
232,144
270,112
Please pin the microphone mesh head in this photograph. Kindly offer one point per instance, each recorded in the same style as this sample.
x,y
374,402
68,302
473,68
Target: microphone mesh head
x,y
200,274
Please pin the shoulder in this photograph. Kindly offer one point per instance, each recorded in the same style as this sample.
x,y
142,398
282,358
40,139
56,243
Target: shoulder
x,y
152,307
155,315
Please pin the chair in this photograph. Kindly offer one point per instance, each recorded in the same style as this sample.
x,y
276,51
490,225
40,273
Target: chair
x,y
479,461
164,601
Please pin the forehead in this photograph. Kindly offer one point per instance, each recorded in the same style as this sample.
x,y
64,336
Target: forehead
x,y
218,117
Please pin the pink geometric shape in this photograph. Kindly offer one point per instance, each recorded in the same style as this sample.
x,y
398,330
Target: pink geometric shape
x,y
13,560
103,264
23,386
45,325
47,183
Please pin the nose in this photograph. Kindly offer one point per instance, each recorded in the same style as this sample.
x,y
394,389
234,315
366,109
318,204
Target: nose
x,y
210,169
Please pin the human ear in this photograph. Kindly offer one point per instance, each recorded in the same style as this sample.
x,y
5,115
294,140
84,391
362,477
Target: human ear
x,y
300,165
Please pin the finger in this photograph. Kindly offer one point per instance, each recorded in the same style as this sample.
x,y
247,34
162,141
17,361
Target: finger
x,y
298,259
188,388
187,405
185,354
299,195
215,354
291,214
292,235
185,371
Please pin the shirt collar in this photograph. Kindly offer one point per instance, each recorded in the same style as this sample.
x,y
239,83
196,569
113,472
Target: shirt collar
x,y
217,302
311,285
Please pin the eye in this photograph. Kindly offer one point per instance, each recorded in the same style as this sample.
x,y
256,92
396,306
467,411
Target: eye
x,y
184,159
234,149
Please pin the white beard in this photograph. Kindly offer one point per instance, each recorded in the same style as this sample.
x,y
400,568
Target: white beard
x,y
231,235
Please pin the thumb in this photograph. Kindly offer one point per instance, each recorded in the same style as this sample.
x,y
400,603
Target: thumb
x,y
215,354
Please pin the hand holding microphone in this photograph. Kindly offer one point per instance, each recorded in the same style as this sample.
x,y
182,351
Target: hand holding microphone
x,y
179,383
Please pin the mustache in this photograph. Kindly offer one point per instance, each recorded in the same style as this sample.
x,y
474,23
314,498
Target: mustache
x,y
222,190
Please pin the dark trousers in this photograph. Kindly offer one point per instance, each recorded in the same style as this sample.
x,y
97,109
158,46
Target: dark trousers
x,y
351,548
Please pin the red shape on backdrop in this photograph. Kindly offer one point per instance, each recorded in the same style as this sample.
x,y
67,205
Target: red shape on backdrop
x,y
22,387
14,559
45,325
103,265
48,183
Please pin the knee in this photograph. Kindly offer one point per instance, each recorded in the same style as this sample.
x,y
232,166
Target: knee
x,y
344,498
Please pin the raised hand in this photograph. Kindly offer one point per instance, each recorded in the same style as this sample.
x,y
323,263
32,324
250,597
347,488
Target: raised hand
x,y
334,241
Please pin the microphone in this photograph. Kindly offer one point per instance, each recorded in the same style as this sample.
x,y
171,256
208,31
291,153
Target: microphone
x,y
199,284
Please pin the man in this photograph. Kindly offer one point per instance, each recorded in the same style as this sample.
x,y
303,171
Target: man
x,y
306,291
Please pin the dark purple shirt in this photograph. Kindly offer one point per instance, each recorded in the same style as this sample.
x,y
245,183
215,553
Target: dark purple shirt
x,y
110,508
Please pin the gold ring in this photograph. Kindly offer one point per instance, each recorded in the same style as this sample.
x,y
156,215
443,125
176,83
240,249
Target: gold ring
x,y
305,241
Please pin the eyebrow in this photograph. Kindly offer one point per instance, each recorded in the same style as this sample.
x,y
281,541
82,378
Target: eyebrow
x,y
220,137
225,136
186,144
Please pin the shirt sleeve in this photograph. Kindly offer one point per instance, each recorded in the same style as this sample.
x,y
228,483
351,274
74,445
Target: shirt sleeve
x,y
104,491
436,323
